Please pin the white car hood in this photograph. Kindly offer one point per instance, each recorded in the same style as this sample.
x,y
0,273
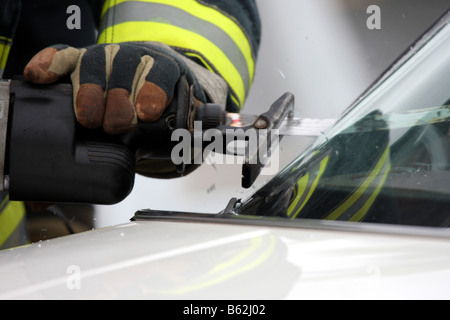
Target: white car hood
x,y
191,260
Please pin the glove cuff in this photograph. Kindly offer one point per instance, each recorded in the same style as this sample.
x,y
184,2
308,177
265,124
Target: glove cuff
x,y
215,87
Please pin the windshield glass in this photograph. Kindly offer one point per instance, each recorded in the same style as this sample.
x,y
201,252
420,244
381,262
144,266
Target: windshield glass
x,y
387,160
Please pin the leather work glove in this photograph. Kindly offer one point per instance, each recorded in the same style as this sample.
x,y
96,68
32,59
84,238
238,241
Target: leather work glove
x,y
115,85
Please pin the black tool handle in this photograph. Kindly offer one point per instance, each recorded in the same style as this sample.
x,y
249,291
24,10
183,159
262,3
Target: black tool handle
x,y
51,158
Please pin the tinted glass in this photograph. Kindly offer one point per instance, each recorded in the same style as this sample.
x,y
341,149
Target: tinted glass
x,y
387,160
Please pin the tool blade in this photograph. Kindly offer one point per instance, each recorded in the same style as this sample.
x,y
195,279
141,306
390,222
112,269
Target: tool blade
x,y
308,127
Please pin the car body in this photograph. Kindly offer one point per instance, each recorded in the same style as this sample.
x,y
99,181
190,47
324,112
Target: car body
x,y
251,251
214,258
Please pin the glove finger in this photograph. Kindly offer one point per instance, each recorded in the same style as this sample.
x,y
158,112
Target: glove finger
x,y
155,86
120,115
89,84
48,65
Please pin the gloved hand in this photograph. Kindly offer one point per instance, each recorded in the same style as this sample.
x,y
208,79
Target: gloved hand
x,y
114,85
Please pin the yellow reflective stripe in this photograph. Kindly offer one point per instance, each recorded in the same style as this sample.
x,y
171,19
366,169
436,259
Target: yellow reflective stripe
x,y
323,165
256,244
358,216
4,53
209,14
10,218
362,188
301,187
174,36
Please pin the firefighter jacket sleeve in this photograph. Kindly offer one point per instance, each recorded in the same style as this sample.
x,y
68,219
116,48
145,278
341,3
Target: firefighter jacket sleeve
x,y
221,35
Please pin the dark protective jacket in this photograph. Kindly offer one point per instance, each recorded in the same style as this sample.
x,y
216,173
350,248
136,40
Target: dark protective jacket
x,y
222,35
